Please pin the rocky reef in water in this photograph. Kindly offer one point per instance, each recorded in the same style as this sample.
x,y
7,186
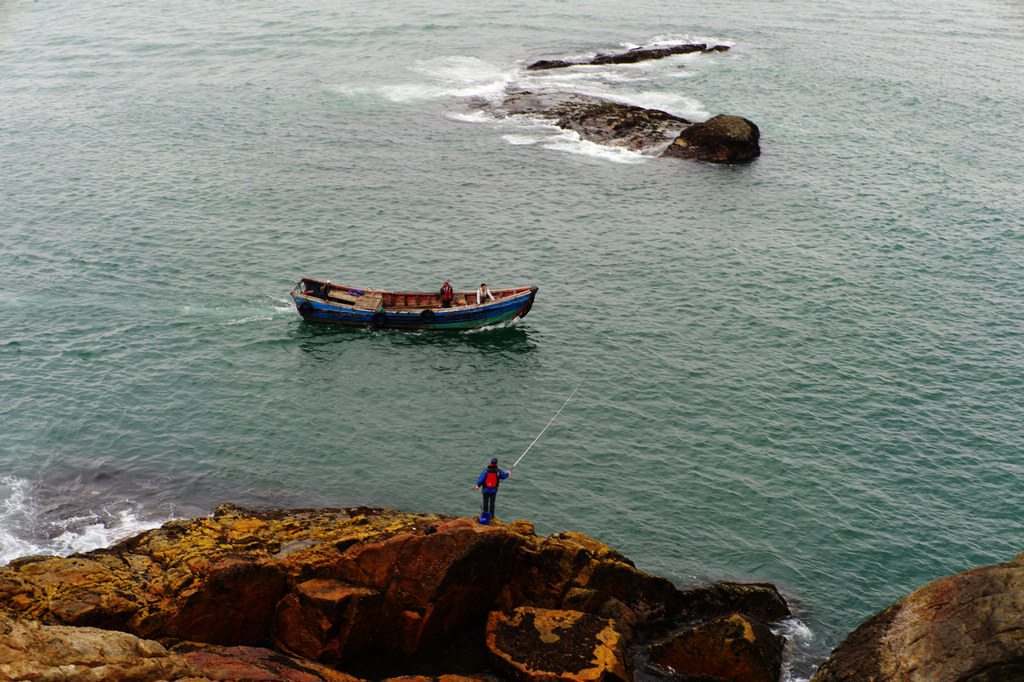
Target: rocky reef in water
x,y
637,54
372,594
722,139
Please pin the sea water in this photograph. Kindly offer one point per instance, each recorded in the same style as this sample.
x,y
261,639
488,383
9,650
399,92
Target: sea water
x,y
803,370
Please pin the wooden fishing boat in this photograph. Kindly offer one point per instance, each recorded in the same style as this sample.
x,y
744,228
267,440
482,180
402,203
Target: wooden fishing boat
x,y
325,302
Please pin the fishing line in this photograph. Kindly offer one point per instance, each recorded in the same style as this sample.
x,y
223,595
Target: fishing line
x,y
549,424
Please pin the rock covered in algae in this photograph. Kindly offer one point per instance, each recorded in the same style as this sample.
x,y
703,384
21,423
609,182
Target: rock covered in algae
x,y
296,593
548,644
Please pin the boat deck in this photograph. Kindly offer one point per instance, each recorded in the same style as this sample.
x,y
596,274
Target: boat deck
x,y
366,301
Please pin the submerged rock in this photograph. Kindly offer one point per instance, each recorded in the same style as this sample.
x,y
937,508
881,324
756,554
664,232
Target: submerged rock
x,y
595,119
304,594
638,54
964,627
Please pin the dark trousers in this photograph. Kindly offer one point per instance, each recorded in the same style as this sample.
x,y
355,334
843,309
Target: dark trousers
x,y
489,502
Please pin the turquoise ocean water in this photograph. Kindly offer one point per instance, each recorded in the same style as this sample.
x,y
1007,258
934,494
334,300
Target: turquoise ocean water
x,y
804,370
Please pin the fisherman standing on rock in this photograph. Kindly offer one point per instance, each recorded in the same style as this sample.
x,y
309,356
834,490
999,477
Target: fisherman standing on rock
x,y
490,479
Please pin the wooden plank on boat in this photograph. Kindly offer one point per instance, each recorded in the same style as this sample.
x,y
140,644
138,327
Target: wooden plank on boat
x,y
343,297
368,301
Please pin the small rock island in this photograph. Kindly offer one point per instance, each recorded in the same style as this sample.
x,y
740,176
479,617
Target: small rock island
x,y
722,139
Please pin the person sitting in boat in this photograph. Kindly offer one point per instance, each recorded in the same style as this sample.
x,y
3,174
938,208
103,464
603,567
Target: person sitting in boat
x,y
483,293
446,294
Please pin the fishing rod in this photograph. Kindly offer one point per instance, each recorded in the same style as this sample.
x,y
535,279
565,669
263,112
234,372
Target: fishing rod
x,y
549,424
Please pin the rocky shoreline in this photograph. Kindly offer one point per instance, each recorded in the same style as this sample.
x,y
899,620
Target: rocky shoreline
x,y
374,594
361,593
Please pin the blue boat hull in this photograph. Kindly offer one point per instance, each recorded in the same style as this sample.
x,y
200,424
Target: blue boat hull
x,y
512,304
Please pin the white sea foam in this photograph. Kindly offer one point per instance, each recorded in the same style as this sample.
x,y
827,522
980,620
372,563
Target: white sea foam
x,y
251,318
462,76
13,516
450,76
647,84
799,642
571,142
673,103
547,136
471,116
82,536
668,40
393,92
23,531
523,140
461,69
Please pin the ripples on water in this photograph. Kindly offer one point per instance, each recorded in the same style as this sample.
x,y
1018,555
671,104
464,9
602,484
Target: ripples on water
x,y
804,370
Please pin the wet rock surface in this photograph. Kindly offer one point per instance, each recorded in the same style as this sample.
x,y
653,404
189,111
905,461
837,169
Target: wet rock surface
x,y
595,119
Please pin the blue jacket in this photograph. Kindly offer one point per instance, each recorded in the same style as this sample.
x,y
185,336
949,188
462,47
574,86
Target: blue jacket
x,y
502,475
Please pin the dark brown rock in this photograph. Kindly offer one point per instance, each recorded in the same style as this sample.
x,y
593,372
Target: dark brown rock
x,y
759,601
320,619
622,125
964,627
544,644
568,564
549,64
594,119
424,678
731,649
249,663
722,139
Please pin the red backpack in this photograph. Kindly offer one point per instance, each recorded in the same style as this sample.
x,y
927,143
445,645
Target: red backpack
x,y
491,479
